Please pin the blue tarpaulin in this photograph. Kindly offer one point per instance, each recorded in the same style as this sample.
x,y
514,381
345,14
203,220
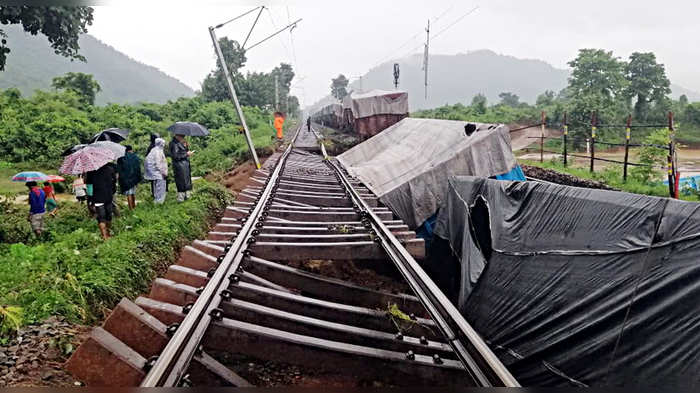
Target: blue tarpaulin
x,y
515,174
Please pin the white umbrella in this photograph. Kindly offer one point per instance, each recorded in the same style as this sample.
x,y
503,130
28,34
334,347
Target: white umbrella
x,y
115,148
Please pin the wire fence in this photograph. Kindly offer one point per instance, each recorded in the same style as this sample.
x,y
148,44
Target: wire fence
x,y
671,166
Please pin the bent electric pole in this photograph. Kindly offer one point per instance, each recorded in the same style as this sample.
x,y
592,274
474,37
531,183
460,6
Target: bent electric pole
x,y
234,97
226,71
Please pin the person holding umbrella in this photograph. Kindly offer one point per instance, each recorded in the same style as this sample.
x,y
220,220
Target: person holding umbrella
x,y
104,185
129,169
101,175
37,198
180,153
51,200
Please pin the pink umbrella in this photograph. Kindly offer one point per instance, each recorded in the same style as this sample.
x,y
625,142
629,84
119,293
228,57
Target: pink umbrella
x,y
86,160
55,179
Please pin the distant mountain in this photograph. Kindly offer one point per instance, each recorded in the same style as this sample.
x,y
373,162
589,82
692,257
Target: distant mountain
x,y
677,91
32,65
458,78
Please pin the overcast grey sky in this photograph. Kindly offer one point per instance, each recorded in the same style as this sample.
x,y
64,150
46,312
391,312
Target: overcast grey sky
x,y
351,37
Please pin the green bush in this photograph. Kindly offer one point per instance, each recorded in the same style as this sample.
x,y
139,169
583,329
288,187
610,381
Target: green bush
x,y
36,130
73,273
652,157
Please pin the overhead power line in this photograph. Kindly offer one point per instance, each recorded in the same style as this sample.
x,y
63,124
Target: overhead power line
x,y
456,21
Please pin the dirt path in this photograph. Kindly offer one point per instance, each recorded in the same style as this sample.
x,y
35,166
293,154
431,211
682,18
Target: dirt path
x,y
522,139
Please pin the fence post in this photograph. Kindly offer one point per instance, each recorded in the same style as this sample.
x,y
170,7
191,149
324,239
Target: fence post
x,y
566,133
671,156
542,139
594,128
628,132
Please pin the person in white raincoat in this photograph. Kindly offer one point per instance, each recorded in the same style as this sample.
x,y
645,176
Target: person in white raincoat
x,y
156,170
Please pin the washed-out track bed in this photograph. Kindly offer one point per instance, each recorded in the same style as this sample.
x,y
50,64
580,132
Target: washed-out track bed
x,y
306,280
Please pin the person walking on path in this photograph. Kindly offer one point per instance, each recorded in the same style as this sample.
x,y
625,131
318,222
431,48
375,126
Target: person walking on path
x,y
180,153
79,189
129,169
104,185
37,199
156,170
51,204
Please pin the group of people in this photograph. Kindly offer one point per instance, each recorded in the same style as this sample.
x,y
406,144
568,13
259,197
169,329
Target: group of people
x,y
98,187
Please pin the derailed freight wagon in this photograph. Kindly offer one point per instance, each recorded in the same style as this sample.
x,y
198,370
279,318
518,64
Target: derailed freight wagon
x,y
573,286
408,164
330,115
368,114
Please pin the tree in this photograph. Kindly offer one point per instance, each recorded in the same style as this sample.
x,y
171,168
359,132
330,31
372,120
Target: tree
x,y
597,84
214,86
692,114
81,84
596,71
479,104
61,25
339,87
509,99
285,75
545,99
647,82
256,89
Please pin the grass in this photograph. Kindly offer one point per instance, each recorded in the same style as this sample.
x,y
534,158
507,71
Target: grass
x,y
71,272
611,175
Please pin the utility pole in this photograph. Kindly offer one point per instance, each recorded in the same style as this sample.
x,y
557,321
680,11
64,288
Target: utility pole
x,y
234,97
425,57
277,93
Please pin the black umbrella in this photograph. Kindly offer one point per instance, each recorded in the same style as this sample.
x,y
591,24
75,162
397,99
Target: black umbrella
x,y
72,150
188,128
111,134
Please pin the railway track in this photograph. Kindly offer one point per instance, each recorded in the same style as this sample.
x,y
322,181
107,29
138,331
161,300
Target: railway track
x,y
305,269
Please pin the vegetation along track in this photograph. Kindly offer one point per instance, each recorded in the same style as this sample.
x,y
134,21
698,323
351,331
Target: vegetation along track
x,y
305,269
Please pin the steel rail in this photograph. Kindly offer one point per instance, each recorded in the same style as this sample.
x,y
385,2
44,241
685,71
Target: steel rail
x,y
479,361
173,362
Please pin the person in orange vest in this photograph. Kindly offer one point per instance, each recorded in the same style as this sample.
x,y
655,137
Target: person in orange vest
x,y
279,124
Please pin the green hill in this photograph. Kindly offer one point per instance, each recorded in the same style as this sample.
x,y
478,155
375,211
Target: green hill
x,y
32,65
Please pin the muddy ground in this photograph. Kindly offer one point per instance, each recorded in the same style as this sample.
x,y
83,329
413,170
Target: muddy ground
x,y
36,355
553,176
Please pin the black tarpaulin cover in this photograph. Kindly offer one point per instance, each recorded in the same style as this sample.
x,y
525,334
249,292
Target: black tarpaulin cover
x,y
578,286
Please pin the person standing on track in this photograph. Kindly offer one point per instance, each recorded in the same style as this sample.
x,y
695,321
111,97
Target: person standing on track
x,y
279,125
308,123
